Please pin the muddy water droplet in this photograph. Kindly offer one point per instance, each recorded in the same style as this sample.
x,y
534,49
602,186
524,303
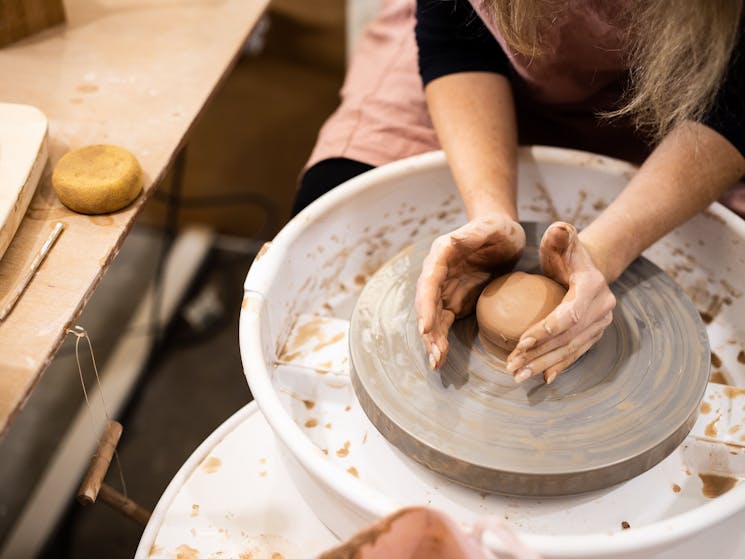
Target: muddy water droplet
x,y
676,488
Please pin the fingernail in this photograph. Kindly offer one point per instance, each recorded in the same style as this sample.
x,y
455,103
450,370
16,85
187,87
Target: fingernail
x,y
523,375
547,328
513,365
527,343
436,352
432,362
551,377
420,326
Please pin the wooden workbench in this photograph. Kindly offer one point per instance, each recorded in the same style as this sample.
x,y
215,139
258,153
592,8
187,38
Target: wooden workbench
x,y
132,73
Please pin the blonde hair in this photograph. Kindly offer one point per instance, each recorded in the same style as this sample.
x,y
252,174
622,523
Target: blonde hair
x,y
678,53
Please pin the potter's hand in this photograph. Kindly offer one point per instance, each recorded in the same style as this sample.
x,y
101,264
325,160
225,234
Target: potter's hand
x,y
556,342
455,271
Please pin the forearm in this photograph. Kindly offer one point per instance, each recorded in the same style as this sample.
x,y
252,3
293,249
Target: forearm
x,y
689,170
474,116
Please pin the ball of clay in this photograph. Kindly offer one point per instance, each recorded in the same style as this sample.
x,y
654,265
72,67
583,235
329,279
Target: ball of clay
x,y
97,179
511,304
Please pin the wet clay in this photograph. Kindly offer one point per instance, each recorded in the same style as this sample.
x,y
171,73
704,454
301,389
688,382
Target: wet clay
x,y
512,303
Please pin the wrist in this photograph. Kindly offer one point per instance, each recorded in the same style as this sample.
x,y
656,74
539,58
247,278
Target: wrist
x,y
611,263
489,205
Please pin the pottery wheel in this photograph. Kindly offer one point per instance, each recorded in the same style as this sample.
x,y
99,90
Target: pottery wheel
x,y
618,411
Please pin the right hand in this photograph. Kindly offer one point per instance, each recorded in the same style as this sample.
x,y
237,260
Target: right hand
x,y
457,268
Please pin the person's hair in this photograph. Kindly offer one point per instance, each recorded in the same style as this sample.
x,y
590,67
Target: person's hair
x,y
678,53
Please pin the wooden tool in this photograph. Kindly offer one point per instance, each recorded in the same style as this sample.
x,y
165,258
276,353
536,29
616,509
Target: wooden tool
x,y
93,486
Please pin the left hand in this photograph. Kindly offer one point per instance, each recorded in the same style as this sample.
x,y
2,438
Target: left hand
x,y
573,327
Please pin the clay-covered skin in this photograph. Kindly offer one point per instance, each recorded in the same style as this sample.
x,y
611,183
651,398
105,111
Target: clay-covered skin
x,y
512,303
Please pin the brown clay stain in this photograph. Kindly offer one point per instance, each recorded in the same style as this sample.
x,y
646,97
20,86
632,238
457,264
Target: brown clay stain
x,y
325,451
734,429
87,88
185,552
599,205
312,422
705,407
328,426
154,550
347,408
732,392
352,470
344,451
706,317
625,525
262,473
277,555
211,465
711,428
321,372
330,341
360,280
715,485
718,377
101,220
741,357
194,510
309,404
676,488
715,360
262,251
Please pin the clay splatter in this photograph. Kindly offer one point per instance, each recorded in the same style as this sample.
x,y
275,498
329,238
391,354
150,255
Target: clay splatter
x,y
715,360
344,451
185,552
211,465
714,485
312,422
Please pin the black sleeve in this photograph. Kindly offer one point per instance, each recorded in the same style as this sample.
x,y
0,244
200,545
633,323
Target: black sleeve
x,y
727,116
452,38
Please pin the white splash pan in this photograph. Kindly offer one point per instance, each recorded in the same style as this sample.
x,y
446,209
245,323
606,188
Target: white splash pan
x,y
298,298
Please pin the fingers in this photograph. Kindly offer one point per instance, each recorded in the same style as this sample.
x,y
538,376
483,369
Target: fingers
x,y
429,284
588,299
557,247
555,360
439,336
552,372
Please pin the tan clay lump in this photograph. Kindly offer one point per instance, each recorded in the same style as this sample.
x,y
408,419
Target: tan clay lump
x,y
512,303
97,179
